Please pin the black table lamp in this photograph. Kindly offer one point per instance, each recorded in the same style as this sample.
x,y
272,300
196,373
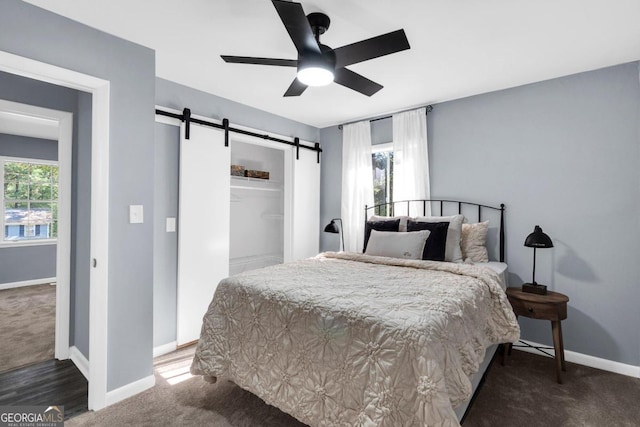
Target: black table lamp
x,y
536,240
332,227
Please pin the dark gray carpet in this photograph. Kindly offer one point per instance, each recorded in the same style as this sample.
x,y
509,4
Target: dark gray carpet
x,y
523,393
27,325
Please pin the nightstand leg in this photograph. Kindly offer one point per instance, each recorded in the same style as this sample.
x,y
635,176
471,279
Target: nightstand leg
x,y
564,364
557,346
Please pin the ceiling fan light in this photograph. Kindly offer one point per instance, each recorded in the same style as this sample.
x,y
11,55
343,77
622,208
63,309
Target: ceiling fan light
x,y
315,76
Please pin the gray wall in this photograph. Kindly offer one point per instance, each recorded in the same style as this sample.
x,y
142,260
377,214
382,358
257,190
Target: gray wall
x,y
330,185
81,224
562,154
42,258
32,32
173,95
23,146
33,92
165,245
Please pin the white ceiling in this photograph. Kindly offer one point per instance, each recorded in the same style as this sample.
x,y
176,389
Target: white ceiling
x,y
458,47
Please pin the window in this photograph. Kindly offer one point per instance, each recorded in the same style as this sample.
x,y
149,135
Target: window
x,y
29,199
382,162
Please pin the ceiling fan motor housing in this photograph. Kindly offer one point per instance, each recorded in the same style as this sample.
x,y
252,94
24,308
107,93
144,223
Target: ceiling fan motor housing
x,y
327,58
319,23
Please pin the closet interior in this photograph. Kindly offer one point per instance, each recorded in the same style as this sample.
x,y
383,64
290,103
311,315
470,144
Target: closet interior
x,y
257,207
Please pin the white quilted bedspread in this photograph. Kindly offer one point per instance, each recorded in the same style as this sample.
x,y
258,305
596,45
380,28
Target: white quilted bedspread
x,y
347,339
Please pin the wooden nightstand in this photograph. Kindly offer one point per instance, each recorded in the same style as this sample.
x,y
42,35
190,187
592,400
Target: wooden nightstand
x,y
553,307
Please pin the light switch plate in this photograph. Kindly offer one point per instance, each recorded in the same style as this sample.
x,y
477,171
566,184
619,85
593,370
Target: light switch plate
x,y
136,214
171,225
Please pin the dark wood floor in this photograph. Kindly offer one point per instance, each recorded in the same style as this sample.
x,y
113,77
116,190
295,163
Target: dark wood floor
x,y
47,383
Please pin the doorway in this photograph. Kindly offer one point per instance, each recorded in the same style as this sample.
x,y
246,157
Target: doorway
x,y
38,213
99,89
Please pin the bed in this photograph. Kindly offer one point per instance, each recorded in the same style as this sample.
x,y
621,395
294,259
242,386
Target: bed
x,y
357,339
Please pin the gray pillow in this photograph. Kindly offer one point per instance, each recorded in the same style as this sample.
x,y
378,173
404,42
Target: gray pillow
x,y
397,244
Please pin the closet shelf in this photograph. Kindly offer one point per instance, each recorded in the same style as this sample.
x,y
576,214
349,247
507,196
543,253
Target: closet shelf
x,y
248,187
247,179
245,183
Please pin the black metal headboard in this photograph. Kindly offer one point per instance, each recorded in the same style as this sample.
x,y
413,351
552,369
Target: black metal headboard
x,y
398,208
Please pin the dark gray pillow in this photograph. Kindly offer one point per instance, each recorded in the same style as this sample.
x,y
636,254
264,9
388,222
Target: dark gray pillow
x,y
435,248
390,225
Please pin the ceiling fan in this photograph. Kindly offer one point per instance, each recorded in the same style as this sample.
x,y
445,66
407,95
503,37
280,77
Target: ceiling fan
x,y
318,64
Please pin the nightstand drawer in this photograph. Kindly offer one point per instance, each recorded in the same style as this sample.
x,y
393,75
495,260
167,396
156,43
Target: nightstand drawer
x,y
539,310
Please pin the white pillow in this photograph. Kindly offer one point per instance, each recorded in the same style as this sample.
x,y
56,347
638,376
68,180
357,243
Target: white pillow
x,y
452,252
474,241
403,220
397,244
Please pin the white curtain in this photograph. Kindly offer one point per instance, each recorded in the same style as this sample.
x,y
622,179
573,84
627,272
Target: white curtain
x,y
410,160
357,182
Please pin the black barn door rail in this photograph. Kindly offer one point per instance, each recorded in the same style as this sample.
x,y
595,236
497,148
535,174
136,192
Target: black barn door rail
x,y
187,119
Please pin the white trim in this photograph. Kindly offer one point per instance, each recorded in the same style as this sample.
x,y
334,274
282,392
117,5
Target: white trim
x,y
63,247
587,360
167,120
79,360
165,349
99,273
23,283
99,278
26,159
22,243
131,389
42,71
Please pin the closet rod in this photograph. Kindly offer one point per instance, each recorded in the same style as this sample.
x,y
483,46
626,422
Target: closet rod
x,y
428,109
186,117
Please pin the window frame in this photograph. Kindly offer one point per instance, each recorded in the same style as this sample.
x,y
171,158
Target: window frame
x,y
27,242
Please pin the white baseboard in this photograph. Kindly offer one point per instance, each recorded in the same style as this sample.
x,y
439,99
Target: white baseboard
x,y
33,282
165,348
80,360
131,389
586,360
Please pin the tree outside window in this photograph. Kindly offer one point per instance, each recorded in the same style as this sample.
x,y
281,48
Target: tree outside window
x,y
382,162
30,195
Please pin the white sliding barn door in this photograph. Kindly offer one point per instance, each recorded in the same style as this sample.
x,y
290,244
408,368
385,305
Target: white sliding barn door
x,y
203,228
306,205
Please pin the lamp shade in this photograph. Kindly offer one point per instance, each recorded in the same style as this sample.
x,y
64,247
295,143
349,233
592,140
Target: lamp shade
x,y
332,227
538,239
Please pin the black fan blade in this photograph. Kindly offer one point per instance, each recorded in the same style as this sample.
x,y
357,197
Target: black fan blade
x,y
371,48
296,88
297,26
356,82
260,61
